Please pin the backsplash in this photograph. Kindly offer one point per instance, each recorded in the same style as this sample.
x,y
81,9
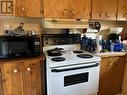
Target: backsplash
x,y
35,25
12,22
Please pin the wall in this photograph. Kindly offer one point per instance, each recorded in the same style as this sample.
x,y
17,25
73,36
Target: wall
x,y
13,22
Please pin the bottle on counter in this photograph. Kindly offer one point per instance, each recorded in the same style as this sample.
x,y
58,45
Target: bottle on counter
x,y
112,47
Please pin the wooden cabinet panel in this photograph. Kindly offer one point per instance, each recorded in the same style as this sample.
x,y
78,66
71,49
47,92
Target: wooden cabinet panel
x,y
28,8
67,9
32,78
23,77
1,86
11,77
111,75
104,9
117,74
122,10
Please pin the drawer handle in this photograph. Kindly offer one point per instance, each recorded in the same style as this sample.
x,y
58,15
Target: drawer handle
x,y
28,69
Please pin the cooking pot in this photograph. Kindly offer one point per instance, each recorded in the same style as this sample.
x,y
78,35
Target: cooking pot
x,y
55,52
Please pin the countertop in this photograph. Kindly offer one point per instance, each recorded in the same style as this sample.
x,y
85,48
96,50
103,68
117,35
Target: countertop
x,y
108,54
42,57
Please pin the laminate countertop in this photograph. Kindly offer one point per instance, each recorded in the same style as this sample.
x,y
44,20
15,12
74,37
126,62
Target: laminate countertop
x,y
110,54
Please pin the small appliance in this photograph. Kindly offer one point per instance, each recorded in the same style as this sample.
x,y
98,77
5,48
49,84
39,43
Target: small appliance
x,y
19,46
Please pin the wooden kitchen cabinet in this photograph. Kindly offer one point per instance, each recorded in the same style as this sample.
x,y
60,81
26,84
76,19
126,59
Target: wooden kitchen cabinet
x,y
111,75
12,78
104,9
67,9
1,87
28,8
24,8
122,10
22,77
32,78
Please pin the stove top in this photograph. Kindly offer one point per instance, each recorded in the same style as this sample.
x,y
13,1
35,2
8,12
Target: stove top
x,y
70,55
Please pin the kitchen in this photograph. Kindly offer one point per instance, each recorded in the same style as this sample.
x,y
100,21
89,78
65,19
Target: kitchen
x,y
38,15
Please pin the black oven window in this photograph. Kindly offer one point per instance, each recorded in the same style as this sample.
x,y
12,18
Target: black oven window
x,y
76,79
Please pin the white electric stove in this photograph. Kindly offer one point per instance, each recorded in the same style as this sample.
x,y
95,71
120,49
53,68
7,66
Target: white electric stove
x,y
70,71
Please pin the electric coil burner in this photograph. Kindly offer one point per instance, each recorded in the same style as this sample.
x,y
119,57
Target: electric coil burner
x,y
85,56
55,52
58,59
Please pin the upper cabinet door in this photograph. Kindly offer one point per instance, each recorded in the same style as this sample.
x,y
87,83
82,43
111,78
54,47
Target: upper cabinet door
x,y
104,9
122,10
28,8
67,9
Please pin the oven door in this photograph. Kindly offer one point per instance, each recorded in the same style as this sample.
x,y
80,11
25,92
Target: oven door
x,y
75,80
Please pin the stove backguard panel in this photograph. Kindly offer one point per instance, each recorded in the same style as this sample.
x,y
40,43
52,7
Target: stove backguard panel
x,y
60,39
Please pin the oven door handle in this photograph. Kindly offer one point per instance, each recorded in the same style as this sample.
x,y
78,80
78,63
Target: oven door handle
x,y
74,68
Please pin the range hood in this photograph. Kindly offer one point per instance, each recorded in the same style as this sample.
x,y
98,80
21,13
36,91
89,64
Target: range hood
x,y
64,23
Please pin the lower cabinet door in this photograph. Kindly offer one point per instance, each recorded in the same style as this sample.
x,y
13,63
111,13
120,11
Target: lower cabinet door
x,y
32,77
1,86
111,75
11,78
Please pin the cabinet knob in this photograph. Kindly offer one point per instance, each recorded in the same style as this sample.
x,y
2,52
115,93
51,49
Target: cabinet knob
x,y
28,69
15,70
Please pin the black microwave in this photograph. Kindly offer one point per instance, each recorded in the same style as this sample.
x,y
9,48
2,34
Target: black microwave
x,y
19,46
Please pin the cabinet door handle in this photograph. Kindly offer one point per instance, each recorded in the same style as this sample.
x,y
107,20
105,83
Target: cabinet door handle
x,y
107,14
110,65
116,62
4,80
23,9
28,69
65,11
72,12
15,70
101,14
125,15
